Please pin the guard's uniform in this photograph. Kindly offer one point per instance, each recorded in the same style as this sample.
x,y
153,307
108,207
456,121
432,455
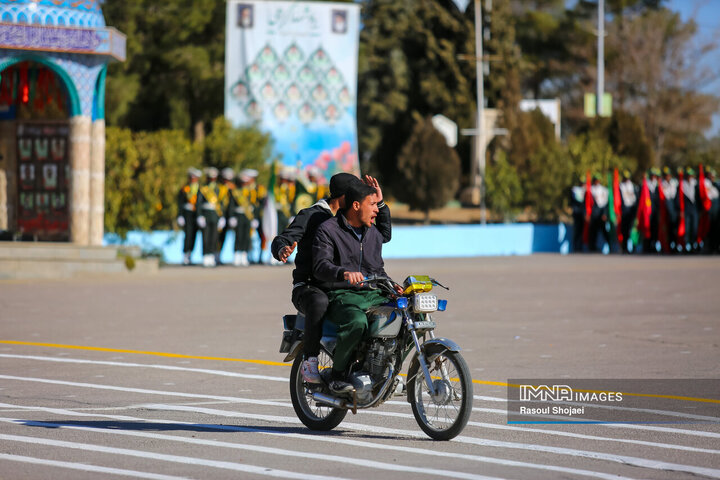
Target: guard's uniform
x,y
650,244
669,187
629,196
689,186
241,210
598,217
210,209
577,203
187,209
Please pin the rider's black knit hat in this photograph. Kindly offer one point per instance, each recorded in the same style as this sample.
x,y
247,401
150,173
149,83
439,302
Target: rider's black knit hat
x,y
341,182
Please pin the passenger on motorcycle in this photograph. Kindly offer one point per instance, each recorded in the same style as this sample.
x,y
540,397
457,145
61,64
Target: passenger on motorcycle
x,y
307,297
347,248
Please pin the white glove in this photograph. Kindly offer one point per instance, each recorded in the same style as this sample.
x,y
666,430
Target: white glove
x,y
181,221
232,223
221,223
254,223
201,222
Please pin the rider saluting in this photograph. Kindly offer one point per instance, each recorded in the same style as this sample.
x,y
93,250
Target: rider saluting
x,y
307,297
347,248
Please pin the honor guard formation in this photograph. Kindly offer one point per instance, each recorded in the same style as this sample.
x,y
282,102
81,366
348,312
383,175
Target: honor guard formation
x,y
226,202
666,212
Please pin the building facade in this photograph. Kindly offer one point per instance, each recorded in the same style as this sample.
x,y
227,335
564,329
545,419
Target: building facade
x,y
53,61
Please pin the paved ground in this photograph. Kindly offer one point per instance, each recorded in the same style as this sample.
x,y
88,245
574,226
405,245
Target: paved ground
x,y
178,375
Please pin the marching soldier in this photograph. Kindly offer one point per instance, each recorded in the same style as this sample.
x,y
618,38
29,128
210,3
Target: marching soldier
x,y
691,213
241,215
669,187
577,203
711,237
285,197
650,244
210,216
629,195
225,195
187,211
599,215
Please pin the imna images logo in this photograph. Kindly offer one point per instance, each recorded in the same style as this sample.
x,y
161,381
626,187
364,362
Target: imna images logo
x,y
564,393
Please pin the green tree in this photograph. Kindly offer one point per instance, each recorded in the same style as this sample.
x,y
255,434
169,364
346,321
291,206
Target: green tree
x,y
409,66
429,170
174,73
503,190
237,148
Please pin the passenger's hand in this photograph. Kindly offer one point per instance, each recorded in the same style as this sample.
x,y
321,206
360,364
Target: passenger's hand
x,y
202,223
181,221
285,252
353,278
399,289
371,181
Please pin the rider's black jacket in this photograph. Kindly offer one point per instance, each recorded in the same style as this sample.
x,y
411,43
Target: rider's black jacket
x,y
337,249
303,228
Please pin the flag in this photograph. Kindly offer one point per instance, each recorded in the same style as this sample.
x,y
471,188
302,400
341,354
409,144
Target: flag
x,y
269,224
681,216
588,209
615,203
644,210
705,204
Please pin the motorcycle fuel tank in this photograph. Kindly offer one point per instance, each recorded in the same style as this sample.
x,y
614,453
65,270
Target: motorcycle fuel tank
x,y
384,321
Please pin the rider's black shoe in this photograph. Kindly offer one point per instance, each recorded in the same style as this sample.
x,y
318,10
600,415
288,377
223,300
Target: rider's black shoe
x,y
338,387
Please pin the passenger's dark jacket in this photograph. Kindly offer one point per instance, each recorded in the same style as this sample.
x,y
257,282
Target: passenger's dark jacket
x,y
336,250
303,228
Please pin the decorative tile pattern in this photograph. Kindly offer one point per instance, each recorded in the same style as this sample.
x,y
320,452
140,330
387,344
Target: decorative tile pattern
x,y
69,13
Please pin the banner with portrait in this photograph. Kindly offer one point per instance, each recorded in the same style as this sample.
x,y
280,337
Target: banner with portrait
x,y
291,68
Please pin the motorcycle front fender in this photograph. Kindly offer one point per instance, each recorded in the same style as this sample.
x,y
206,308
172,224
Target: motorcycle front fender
x,y
436,345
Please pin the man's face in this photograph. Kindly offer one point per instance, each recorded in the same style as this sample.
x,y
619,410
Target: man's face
x,y
366,210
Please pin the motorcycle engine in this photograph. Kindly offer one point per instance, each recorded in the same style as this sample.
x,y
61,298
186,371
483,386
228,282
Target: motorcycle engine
x,y
378,355
363,384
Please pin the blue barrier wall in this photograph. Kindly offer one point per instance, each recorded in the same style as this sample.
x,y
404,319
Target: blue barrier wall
x,y
428,241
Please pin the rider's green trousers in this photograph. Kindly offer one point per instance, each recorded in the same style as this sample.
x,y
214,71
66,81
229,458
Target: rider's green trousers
x,y
347,311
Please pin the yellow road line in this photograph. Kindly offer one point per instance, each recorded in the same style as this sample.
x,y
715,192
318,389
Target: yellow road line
x,y
141,352
282,364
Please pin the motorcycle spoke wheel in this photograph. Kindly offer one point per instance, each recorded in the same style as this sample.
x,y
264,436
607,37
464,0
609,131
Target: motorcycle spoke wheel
x,y
444,415
314,415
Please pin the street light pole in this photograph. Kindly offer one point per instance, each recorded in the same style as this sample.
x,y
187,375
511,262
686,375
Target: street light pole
x,y
479,164
601,58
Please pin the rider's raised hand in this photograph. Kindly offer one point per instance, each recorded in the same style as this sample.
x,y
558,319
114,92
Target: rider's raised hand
x,y
285,252
353,278
372,181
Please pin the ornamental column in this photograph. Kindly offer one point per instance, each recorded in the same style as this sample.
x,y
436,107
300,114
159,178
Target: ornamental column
x,y
8,183
97,182
79,150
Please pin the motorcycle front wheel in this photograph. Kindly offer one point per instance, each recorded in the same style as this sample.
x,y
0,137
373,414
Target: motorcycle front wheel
x,y
444,415
314,415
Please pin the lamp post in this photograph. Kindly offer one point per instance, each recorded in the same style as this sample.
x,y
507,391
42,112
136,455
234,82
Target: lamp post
x,y
601,58
479,161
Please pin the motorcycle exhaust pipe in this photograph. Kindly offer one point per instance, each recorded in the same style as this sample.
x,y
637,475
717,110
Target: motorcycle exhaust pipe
x,y
328,400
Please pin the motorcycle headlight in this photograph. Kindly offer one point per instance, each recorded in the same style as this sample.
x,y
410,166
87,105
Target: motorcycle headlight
x,y
425,302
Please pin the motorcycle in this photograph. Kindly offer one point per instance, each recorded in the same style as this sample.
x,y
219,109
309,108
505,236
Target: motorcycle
x,y
438,387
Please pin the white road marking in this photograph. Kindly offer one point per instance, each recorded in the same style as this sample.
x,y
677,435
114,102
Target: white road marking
x,y
285,380
223,373
238,467
622,459
256,448
88,468
697,433
344,441
532,447
668,413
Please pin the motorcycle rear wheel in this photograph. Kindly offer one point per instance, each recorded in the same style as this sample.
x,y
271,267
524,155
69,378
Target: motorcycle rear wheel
x,y
445,415
315,416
